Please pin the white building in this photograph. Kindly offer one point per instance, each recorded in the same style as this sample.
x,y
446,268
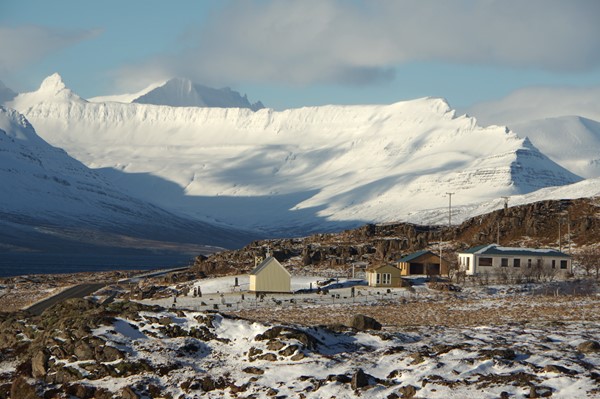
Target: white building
x,y
494,259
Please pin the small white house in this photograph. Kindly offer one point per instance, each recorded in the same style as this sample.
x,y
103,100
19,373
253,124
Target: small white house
x,y
270,276
494,259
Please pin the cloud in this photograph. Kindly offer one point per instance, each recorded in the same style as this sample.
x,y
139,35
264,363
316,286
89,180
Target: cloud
x,y
361,42
538,103
23,45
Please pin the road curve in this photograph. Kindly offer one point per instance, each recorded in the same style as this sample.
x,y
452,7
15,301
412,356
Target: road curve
x,y
77,291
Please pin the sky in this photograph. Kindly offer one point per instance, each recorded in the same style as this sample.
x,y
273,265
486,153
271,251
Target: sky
x,y
288,54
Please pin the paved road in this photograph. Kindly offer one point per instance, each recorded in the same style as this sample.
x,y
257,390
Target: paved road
x,y
78,291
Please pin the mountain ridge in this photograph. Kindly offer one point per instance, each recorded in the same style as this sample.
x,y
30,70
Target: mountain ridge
x,y
299,170
181,92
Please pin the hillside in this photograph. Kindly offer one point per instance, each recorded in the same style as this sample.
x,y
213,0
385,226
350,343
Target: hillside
x,y
52,203
535,225
571,141
297,171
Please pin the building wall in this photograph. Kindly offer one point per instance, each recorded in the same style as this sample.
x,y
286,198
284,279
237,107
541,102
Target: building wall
x,y
273,278
426,259
394,281
472,264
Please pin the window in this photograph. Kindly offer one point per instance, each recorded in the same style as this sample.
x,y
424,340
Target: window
x,y
563,264
485,261
377,278
504,262
539,263
529,263
387,278
516,262
553,263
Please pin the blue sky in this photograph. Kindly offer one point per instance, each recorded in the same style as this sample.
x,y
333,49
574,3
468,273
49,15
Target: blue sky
x,y
302,53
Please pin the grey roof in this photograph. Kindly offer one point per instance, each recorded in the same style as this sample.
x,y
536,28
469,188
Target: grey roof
x,y
494,249
265,263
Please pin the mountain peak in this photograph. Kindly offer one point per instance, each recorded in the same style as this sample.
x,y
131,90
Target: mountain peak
x,y
52,89
53,83
182,92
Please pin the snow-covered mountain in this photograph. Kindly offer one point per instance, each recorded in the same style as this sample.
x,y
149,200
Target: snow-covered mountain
x,y
297,170
52,202
571,141
179,92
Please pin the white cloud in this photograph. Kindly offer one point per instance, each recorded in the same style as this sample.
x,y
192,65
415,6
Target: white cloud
x,y
23,45
303,42
538,103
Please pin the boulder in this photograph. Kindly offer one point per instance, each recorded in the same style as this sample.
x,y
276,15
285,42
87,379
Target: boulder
x,y
589,347
359,379
408,391
129,393
39,364
363,323
21,389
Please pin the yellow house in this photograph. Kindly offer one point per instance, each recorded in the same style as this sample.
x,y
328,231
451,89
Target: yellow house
x,y
270,276
384,276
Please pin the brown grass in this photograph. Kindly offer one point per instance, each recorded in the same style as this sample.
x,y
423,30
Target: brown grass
x,y
449,312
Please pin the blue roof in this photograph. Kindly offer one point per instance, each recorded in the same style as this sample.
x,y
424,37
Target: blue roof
x,y
494,249
414,255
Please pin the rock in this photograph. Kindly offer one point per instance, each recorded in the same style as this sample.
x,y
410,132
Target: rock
x,y
589,347
363,323
289,351
21,389
507,354
253,370
165,321
83,351
271,357
504,395
408,391
129,393
341,378
290,333
359,379
108,354
39,364
80,391
275,345
554,368
297,356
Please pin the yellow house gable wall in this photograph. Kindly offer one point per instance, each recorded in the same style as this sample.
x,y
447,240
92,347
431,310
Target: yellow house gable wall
x,y
394,272
272,278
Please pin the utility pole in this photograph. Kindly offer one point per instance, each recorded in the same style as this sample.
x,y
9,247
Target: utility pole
x,y
559,236
505,202
498,234
450,209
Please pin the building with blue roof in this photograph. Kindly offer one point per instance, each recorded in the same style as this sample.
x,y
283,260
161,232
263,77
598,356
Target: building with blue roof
x,y
495,259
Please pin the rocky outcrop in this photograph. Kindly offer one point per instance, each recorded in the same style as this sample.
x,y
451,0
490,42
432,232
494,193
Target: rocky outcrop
x,y
538,222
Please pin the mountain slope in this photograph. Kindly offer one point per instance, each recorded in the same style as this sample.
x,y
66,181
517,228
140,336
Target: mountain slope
x,y
51,202
299,170
571,141
179,92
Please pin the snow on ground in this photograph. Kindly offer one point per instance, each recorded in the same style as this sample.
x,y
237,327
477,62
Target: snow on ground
x,y
435,362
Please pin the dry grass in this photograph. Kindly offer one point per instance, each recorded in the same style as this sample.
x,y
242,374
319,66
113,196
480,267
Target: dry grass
x,y
449,312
